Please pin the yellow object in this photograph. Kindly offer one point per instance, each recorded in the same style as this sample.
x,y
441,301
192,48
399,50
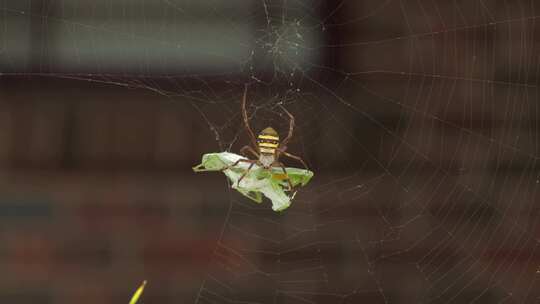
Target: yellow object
x,y
268,145
266,150
268,137
280,176
138,293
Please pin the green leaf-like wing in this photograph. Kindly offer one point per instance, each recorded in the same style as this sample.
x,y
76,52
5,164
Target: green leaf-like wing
x,y
258,181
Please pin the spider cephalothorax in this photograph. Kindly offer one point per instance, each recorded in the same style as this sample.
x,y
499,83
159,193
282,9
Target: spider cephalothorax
x,y
266,147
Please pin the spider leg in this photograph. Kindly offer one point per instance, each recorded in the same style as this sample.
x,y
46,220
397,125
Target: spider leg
x,y
291,128
239,161
249,149
246,120
245,173
278,164
294,157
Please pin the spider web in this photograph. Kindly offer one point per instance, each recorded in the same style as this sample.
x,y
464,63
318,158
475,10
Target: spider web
x,y
419,119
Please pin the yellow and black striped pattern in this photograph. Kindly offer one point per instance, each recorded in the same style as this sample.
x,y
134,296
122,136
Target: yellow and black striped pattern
x,y
268,141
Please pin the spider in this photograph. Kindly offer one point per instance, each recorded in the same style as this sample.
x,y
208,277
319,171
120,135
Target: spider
x,y
266,147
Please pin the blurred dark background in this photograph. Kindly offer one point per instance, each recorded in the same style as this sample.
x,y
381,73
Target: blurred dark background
x,y
420,120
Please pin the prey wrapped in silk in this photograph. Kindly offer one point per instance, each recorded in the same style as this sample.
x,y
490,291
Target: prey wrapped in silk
x,y
257,182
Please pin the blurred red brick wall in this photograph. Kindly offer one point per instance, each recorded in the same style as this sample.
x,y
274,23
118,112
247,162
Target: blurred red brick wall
x,y
426,183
